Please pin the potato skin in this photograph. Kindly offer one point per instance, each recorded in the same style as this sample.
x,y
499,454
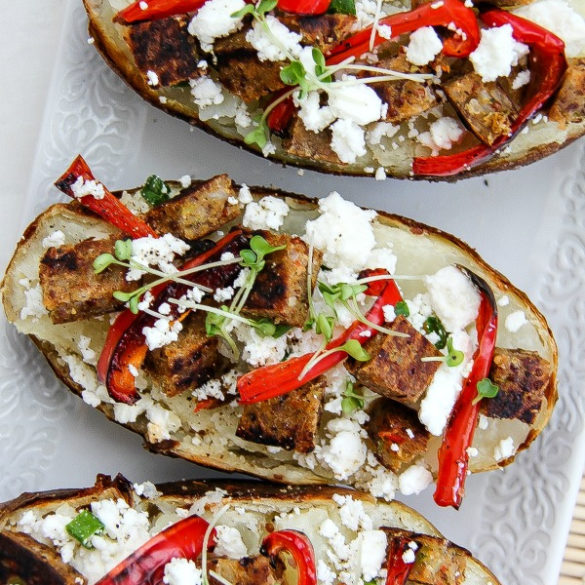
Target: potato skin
x,y
109,42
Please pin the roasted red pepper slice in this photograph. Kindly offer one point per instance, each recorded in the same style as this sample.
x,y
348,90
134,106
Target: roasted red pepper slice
x,y
458,437
280,116
126,348
155,9
277,379
145,566
306,7
300,548
398,569
446,13
109,207
548,65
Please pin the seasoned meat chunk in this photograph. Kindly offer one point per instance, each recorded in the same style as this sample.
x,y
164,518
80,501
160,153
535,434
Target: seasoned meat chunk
x,y
438,561
569,103
523,377
25,560
164,47
198,210
289,421
280,290
244,75
188,362
484,106
324,32
395,369
304,143
405,98
397,435
71,289
255,570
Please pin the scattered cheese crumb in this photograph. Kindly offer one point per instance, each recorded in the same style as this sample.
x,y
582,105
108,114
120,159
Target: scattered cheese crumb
x,y
515,320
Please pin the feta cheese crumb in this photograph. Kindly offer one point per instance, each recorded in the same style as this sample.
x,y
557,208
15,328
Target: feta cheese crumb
x,y
33,306
181,571
263,41
358,103
425,44
244,195
522,79
157,252
504,449
162,333
54,240
185,181
152,78
380,174
347,140
515,320
408,556
414,479
230,543
268,213
206,92
81,188
442,134
213,20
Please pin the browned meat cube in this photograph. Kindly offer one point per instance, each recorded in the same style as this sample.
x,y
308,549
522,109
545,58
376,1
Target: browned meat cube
x,y
166,48
304,143
244,75
255,570
198,210
569,103
71,289
395,369
405,98
484,106
189,362
437,562
523,377
289,421
324,32
25,560
397,435
280,290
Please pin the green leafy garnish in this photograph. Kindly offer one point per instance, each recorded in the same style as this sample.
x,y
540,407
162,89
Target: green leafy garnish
x,y
265,6
354,349
401,308
123,249
342,7
155,191
433,325
454,356
351,401
83,527
293,74
486,389
259,135
102,262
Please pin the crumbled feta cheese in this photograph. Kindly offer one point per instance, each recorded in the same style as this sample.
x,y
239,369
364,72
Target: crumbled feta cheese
x,y
152,78
229,543
442,134
181,571
381,130
146,489
347,140
185,181
424,45
81,188
206,92
314,116
408,556
346,451
560,18
504,449
522,79
503,301
358,103
223,294
156,252
165,421
162,333
88,354
515,320
268,213
389,313
380,174
483,422
244,195
414,479
324,574
343,232
371,553
263,41
54,240
453,297
211,389
214,19
497,53
33,306
258,350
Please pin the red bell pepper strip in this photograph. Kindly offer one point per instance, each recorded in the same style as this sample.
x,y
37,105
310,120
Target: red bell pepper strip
x,y
280,116
305,7
145,566
299,546
155,9
127,347
447,13
109,207
281,378
547,56
398,569
458,437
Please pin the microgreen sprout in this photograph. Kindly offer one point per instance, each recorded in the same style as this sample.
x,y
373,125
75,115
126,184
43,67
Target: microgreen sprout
x,y
342,7
486,389
453,358
351,401
433,325
401,309
352,347
155,191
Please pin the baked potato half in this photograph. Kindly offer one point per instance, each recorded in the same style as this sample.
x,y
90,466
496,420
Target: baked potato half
x,y
254,375
334,533
421,105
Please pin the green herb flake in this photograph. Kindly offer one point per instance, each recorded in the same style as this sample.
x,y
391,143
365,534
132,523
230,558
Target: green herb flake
x,y
454,356
486,389
401,308
83,527
155,191
433,325
351,401
342,7
293,74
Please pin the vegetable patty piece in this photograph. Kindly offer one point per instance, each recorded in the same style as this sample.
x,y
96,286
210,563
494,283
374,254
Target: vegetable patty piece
x,y
359,90
219,532
220,335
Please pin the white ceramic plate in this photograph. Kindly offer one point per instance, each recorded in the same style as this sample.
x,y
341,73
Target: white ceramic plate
x,y
529,223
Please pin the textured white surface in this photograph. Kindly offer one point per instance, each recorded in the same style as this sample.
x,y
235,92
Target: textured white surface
x,y
529,223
